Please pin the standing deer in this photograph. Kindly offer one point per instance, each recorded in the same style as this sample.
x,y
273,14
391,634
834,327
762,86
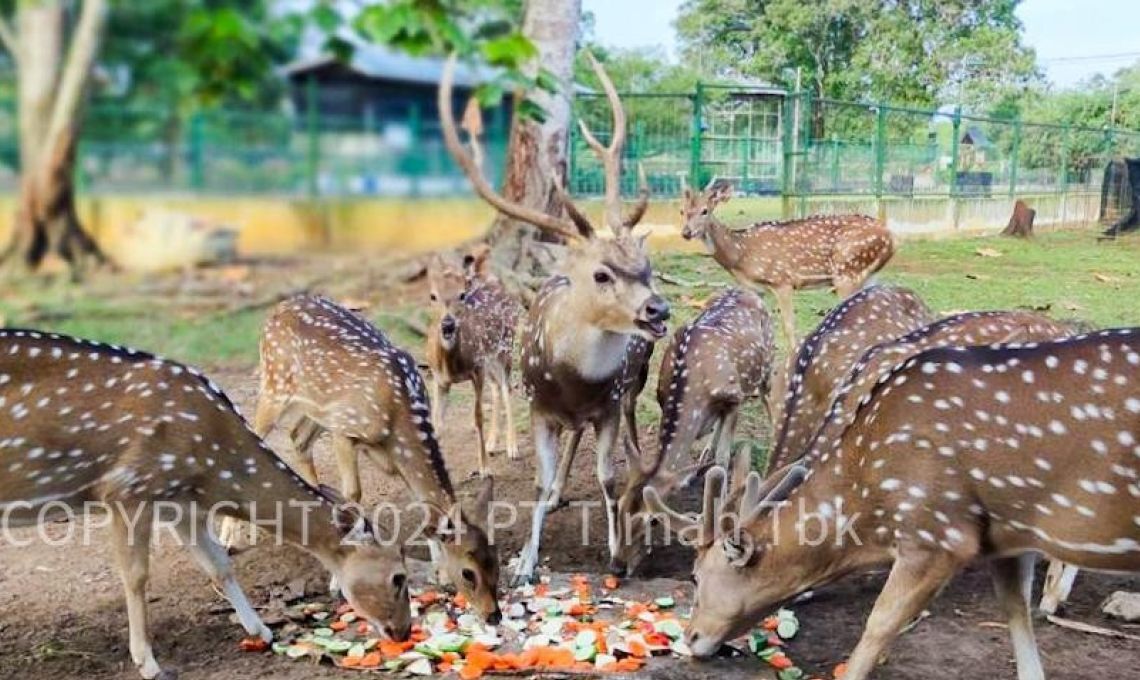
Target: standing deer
x,y
577,335
471,336
333,371
821,250
998,452
712,365
155,444
875,314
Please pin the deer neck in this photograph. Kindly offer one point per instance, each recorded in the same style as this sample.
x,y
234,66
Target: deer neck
x,y
724,244
595,354
417,457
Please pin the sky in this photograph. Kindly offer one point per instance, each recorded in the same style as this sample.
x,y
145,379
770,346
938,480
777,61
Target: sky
x,y
1064,32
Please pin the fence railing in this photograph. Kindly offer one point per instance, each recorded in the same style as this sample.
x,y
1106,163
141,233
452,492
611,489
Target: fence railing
x,y
765,141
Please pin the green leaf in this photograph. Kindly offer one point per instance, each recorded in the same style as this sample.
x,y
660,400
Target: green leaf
x,y
489,95
546,81
327,18
340,48
509,51
531,110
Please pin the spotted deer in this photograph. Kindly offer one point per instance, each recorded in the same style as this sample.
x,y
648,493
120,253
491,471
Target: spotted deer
x,y
1035,451
875,314
576,339
100,431
470,339
713,364
327,369
822,250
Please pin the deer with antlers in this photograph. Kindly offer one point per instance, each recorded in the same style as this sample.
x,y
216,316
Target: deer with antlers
x,y
712,365
822,250
470,338
819,367
327,369
154,444
576,338
995,452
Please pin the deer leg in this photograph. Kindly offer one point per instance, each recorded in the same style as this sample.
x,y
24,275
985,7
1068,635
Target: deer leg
x,y
785,303
439,390
712,444
845,287
266,414
726,432
132,553
1058,583
495,398
1013,582
914,580
629,410
348,465
606,432
477,383
546,449
213,560
299,451
564,465
512,441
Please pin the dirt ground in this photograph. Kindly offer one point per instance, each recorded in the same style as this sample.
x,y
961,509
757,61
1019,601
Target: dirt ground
x,y
63,614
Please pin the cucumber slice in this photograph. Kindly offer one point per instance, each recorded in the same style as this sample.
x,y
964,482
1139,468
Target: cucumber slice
x,y
664,602
338,646
787,628
323,632
670,627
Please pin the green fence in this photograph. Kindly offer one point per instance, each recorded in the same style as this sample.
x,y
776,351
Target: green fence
x,y
764,141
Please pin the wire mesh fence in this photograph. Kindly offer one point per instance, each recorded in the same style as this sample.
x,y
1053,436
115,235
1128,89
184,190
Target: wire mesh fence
x,y
766,141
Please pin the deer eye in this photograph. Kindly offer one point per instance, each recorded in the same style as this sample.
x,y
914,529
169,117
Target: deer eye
x,y
704,211
602,277
469,576
433,297
462,296
399,581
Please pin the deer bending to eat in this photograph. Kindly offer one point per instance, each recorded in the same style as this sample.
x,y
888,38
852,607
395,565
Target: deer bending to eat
x,y
329,369
712,365
875,314
821,250
1000,452
470,338
576,338
156,444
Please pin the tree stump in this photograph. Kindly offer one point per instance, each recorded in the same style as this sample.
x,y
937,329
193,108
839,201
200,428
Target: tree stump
x,y
1021,222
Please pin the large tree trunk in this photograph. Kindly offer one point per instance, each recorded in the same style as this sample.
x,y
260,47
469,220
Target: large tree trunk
x,y
48,235
536,155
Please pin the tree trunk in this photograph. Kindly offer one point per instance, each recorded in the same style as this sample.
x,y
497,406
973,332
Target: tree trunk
x,y
536,154
1021,221
48,235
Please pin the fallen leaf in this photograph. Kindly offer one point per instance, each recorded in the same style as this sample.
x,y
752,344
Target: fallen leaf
x,y
988,252
1104,278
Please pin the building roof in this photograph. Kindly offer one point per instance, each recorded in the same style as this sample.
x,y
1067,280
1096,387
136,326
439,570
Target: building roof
x,y
385,63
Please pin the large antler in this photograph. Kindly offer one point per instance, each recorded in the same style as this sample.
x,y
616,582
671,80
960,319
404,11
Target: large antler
x,y
569,229
610,156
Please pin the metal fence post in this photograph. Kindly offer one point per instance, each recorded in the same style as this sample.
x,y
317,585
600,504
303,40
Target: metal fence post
x,y
415,129
957,134
1063,179
312,125
1016,154
880,148
695,139
197,151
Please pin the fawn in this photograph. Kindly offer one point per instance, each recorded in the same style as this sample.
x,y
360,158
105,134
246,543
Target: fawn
x,y
471,338
92,426
998,452
331,370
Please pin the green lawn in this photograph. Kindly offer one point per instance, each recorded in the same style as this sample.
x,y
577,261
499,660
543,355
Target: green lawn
x,y
1066,274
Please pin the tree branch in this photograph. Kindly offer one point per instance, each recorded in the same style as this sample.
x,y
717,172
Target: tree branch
x,y
8,37
77,71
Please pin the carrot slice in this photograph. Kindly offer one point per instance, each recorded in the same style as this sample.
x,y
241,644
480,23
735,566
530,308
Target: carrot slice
x,y
351,661
338,626
840,670
460,600
371,660
253,644
638,649
611,582
470,672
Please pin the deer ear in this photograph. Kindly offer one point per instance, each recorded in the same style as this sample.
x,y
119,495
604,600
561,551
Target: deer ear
x,y
687,195
738,549
720,193
484,497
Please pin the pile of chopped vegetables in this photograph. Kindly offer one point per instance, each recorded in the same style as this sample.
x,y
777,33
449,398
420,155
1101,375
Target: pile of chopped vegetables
x,y
564,629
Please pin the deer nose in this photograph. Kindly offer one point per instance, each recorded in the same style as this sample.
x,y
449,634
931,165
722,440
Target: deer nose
x,y
657,309
495,617
686,234
448,325
618,566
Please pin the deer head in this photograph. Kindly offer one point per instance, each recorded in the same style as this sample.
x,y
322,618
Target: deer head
x,y
447,285
378,595
697,208
469,558
611,277
729,594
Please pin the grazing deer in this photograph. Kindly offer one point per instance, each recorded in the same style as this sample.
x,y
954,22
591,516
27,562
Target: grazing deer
x,y
713,365
88,426
821,250
336,372
998,452
577,335
875,314
470,338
